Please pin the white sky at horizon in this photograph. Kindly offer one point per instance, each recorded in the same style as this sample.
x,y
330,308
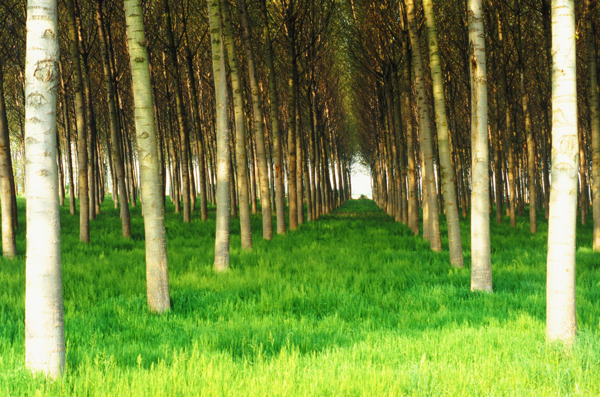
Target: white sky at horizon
x,y
361,181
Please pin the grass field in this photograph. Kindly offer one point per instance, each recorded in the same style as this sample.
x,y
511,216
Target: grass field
x,y
352,304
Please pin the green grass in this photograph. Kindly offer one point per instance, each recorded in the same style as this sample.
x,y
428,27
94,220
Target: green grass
x,y
352,304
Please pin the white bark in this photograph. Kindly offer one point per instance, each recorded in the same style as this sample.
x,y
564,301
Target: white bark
x,y
223,151
44,323
481,268
561,322
157,274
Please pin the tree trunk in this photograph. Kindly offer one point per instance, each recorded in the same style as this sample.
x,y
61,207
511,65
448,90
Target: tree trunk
x,y
61,175
181,117
443,135
594,98
508,144
80,115
67,122
222,106
9,249
44,324
157,271
91,136
561,320
292,109
425,135
299,157
240,128
412,198
481,269
531,166
197,121
115,128
275,132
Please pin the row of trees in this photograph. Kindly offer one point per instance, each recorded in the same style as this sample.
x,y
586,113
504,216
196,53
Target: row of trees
x,y
204,95
475,107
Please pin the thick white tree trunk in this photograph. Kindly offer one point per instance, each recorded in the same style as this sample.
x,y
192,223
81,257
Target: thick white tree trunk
x,y
481,268
223,151
44,323
157,273
561,321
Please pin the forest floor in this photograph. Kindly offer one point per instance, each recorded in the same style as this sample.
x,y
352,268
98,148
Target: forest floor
x,y
352,304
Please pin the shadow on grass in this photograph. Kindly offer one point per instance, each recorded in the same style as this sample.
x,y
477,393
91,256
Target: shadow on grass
x,y
330,284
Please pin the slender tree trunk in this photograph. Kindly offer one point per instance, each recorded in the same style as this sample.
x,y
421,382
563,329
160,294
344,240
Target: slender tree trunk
x,y
44,324
199,141
9,249
115,128
425,134
181,117
67,122
401,166
481,269
80,115
531,166
223,151
313,170
240,128
91,136
594,98
299,159
561,321
447,171
61,175
292,109
497,147
253,174
508,144
583,184
259,133
275,131
412,198
157,271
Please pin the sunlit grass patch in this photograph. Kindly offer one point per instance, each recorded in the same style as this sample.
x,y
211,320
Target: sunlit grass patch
x,y
351,304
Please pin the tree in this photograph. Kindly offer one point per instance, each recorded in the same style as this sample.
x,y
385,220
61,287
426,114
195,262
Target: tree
x,y
561,320
447,172
44,324
594,98
430,210
9,249
265,197
117,155
80,114
223,152
157,274
181,115
240,127
275,129
481,268
292,122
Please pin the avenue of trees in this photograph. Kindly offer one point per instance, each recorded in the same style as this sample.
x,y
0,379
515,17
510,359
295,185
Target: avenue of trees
x,y
217,102
256,105
476,109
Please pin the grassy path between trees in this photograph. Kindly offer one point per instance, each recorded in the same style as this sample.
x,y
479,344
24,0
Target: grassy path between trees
x,y
352,304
